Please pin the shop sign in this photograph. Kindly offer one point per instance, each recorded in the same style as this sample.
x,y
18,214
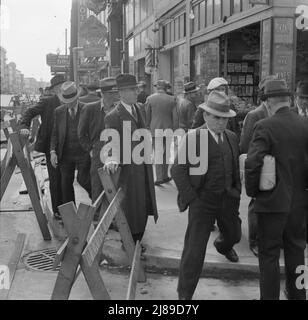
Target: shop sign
x,y
115,71
98,51
301,21
57,60
266,47
258,1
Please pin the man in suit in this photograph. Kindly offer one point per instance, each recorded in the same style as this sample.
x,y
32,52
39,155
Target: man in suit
x,y
210,196
92,95
45,109
161,113
65,148
301,99
91,124
136,179
282,210
250,120
142,95
217,84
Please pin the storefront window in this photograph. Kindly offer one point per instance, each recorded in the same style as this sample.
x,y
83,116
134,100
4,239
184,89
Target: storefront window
x,y
195,21
209,13
131,54
137,44
183,26
217,11
237,6
176,29
172,31
202,15
178,68
137,12
129,11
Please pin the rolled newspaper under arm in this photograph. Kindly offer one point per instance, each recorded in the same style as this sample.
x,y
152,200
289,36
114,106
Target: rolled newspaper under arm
x,y
268,172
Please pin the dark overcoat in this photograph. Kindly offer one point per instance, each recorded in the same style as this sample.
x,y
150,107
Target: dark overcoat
x,y
136,179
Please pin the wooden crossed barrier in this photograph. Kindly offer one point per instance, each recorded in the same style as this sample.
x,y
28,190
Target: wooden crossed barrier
x,y
83,247
18,155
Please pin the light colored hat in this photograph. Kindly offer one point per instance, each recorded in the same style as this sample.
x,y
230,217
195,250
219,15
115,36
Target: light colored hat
x,y
69,92
217,82
190,87
219,105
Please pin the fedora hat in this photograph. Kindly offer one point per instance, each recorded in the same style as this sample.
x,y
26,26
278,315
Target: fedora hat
x,y
219,105
92,86
217,82
126,81
161,84
108,85
302,89
262,85
69,92
276,88
190,87
57,79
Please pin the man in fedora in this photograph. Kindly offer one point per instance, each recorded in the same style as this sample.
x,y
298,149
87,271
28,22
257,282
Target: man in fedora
x,y
91,124
45,109
282,211
212,196
252,117
136,179
161,113
65,148
188,105
142,95
92,95
301,99
218,84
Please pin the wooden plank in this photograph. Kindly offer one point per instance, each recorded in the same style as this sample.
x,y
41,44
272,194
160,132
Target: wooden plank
x,y
15,258
6,176
92,249
77,226
133,279
121,222
6,133
59,255
31,186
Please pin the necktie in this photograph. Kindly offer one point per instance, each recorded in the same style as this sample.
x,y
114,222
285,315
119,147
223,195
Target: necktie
x,y
220,139
72,113
134,113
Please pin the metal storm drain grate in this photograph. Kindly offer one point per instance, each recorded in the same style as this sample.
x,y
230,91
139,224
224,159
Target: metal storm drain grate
x,y
41,260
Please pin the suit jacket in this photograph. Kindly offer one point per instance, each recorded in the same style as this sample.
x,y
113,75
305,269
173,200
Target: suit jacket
x,y
188,185
91,124
250,121
89,98
285,137
142,97
45,108
135,178
161,113
186,111
59,129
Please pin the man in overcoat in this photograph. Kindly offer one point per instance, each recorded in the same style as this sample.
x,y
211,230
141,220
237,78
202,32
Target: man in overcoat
x,y
211,195
282,210
136,179
91,124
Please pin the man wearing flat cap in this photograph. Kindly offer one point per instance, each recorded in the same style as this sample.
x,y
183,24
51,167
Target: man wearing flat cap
x,y
65,148
136,179
91,124
252,117
210,196
45,109
92,95
161,113
281,210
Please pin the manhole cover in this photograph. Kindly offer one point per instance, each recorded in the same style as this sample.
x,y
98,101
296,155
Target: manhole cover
x,y
41,260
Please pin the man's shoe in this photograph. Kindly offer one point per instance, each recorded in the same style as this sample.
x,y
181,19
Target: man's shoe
x,y
158,183
254,250
232,256
167,180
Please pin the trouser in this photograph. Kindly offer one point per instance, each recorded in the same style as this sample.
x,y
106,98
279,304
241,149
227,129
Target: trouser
x,y
67,168
96,184
55,189
162,168
274,230
201,219
252,224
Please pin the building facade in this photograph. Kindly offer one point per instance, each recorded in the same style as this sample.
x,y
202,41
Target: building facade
x,y
201,39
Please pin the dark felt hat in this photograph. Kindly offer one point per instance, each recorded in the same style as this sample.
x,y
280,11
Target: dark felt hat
x,y
57,79
161,84
125,81
276,88
302,89
108,85
190,87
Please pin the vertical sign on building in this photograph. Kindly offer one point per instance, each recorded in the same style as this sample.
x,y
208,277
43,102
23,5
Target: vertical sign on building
x,y
82,17
283,49
266,41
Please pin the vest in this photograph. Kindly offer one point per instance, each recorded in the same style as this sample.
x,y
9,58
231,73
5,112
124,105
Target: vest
x,y
219,176
72,147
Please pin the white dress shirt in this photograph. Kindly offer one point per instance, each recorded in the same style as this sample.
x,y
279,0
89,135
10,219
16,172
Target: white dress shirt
x,y
215,136
127,107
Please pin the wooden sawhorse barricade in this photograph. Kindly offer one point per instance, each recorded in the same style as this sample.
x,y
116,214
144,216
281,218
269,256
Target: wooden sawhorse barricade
x,y
83,248
18,155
